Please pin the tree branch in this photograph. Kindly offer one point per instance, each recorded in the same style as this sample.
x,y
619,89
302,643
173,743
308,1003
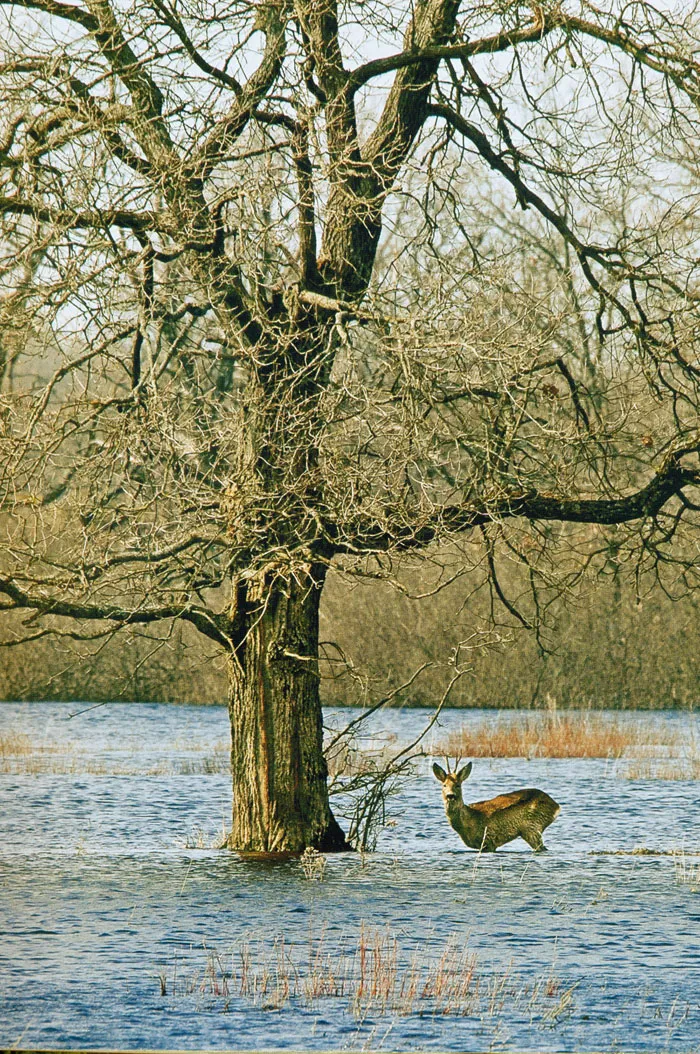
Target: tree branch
x,y
306,207
437,53
669,481
71,12
91,218
682,70
101,121
523,192
214,626
271,20
175,24
360,181
404,112
146,311
101,23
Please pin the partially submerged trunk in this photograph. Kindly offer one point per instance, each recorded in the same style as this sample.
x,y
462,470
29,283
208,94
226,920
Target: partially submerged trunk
x,y
280,792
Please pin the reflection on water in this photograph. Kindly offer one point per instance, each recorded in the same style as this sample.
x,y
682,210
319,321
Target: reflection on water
x,y
116,931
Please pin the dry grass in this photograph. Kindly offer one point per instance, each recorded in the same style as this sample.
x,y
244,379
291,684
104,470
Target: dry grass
x,y
21,755
81,764
532,735
370,977
313,864
642,850
590,735
199,838
14,744
679,768
687,871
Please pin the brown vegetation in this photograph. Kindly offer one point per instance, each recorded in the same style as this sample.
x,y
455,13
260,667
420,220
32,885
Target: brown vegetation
x,y
552,736
19,753
16,744
646,751
176,667
370,975
677,768
616,647
687,871
609,651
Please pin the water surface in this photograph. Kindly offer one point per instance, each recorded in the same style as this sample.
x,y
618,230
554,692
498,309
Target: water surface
x,y
117,929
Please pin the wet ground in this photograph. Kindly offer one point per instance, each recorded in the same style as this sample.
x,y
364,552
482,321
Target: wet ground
x,y
117,929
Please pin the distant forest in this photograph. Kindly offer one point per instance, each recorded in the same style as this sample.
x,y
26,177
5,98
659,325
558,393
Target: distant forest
x,y
611,645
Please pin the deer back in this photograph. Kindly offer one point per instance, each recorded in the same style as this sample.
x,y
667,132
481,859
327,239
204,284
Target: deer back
x,y
523,813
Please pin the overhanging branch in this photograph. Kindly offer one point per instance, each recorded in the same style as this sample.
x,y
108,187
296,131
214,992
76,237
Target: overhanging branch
x,y
524,194
669,481
680,68
96,219
485,46
211,625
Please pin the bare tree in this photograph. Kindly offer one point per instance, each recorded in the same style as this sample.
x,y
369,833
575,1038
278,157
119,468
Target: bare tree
x,y
267,308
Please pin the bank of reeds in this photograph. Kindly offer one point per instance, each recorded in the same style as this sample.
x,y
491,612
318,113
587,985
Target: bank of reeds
x,y
16,744
371,975
553,735
647,752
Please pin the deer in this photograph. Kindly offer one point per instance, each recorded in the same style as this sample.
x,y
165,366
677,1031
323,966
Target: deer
x,y
486,825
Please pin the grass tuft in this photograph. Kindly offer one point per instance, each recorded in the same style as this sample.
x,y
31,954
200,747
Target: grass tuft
x,y
682,768
373,976
687,871
14,744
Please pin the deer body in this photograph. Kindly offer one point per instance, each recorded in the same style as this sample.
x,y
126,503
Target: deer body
x,y
485,825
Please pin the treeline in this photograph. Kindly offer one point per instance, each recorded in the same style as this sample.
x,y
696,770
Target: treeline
x,y
606,648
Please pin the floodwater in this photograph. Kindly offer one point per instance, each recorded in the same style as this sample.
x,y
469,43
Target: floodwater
x,y
117,929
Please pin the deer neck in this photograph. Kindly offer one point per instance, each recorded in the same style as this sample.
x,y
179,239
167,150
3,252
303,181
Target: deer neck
x,y
467,822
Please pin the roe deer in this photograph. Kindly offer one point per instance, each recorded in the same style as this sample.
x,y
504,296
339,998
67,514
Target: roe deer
x,y
485,825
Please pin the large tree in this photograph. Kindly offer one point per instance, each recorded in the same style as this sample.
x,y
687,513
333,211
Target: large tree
x,y
268,308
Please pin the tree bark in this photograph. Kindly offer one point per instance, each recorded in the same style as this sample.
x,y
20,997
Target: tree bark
x,y
280,793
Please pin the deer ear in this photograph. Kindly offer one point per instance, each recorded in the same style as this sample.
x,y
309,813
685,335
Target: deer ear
x,y
440,773
463,773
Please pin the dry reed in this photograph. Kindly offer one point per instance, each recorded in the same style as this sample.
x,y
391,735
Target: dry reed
x,y
687,872
370,976
591,735
669,769
22,755
14,744
684,766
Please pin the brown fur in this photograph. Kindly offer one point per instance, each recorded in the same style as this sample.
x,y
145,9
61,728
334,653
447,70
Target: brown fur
x,y
486,825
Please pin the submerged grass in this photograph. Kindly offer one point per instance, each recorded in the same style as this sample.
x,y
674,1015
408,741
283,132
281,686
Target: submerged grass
x,y
371,975
679,768
553,735
687,871
22,755
13,744
647,752
643,850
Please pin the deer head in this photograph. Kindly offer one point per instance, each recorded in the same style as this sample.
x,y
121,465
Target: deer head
x,y
451,781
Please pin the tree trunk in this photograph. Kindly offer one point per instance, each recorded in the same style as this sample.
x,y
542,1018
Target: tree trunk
x,y
280,792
